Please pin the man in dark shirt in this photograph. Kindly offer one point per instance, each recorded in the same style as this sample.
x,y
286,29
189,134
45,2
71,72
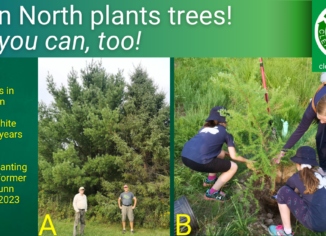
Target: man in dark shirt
x,y
127,208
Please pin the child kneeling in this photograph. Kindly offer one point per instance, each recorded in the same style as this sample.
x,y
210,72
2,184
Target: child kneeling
x,y
309,208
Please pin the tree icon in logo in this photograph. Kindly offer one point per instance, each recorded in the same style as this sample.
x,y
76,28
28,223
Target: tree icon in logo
x,y
322,32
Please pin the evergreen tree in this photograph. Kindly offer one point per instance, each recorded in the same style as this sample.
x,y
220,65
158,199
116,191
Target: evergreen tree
x,y
142,143
252,129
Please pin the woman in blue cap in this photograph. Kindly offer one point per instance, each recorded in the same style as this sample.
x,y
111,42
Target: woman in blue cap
x,y
309,208
316,110
203,153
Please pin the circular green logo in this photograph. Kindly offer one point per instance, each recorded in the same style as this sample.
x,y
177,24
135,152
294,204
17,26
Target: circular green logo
x,y
320,31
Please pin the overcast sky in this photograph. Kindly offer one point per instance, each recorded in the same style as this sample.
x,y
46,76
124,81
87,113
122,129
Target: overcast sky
x,y
157,68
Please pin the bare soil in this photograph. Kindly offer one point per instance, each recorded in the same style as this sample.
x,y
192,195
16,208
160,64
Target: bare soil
x,y
269,213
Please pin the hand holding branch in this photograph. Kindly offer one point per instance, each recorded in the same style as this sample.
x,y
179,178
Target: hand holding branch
x,y
277,159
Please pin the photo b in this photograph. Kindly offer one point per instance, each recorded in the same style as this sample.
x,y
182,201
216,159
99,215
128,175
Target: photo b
x,y
250,147
104,146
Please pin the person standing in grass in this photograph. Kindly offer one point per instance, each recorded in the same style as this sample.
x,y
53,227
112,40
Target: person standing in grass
x,y
127,208
309,208
315,110
80,207
203,153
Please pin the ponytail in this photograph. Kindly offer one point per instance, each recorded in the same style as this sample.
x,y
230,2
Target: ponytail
x,y
211,124
310,181
321,106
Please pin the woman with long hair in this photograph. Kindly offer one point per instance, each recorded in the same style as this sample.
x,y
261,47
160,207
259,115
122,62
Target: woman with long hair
x,y
203,153
309,208
316,110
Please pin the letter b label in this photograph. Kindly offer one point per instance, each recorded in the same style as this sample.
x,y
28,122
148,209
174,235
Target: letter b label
x,y
186,224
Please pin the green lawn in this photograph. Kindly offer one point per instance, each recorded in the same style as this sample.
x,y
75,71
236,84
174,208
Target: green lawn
x,y
65,228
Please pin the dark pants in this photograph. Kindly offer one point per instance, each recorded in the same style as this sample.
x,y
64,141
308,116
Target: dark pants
x,y
216,165
321,145
297,206
79,218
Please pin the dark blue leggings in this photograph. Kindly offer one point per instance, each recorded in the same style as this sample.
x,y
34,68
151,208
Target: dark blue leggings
x,y
286,195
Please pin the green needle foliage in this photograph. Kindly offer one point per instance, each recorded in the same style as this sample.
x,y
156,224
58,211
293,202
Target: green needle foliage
x,y
252,128
101,134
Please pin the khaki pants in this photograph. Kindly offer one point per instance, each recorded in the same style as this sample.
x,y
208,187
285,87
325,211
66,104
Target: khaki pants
x,y
127,211
79,217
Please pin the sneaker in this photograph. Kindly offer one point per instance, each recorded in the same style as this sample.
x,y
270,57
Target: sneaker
x,y
217,196
321,171
124,231
277,231
132,232
209,183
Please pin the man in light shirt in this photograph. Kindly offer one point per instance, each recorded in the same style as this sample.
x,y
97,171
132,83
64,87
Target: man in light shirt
x,y
80,206
127,208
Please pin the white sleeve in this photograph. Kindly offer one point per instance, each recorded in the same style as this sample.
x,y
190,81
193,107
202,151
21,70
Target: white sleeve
x,y
74,204
86,203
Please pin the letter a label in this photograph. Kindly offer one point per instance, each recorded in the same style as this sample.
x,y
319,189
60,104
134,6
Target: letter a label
x,y
47,218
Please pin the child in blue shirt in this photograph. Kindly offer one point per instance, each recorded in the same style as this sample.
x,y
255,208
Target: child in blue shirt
x,y
309,208
203,153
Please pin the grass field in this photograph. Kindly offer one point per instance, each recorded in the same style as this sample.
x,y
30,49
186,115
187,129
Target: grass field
x,y
195,95
65,228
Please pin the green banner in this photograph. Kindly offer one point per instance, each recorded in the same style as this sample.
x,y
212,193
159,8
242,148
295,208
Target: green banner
x,y
146,28
18,145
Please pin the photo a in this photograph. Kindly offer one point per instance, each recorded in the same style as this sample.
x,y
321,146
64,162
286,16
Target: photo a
x,y
250,146
104,145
